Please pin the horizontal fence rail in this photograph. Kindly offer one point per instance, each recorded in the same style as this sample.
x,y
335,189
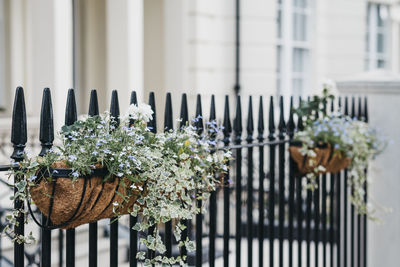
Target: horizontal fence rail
x,y
261,214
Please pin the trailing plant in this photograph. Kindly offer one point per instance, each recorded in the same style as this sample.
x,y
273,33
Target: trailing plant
x,y
172,170
348,138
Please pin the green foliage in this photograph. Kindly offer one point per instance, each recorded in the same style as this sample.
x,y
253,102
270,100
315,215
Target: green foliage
x,y
175,168
348,137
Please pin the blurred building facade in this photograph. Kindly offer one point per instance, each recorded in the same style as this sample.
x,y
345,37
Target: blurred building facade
x,y
285,46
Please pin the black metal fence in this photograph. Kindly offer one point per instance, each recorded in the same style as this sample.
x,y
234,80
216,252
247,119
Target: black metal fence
x,y
262,215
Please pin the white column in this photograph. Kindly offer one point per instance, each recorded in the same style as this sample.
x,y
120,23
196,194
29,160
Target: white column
x,y
63,58
124,31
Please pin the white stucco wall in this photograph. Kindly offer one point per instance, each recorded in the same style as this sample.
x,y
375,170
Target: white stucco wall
x,y
383,92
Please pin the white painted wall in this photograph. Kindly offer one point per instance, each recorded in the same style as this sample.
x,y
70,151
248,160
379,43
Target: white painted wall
x,y
383,92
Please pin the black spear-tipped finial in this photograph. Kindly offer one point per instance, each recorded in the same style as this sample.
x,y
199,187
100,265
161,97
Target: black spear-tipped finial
x,y
168,124
93,103
282,124
260,127
237,122
290,125
271,120
18,128
250,123
184,111
114,107
152,124
46,135
70,110
199,115
227,121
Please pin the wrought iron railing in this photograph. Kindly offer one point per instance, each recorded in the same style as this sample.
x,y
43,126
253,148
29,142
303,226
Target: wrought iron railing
x,y
262,201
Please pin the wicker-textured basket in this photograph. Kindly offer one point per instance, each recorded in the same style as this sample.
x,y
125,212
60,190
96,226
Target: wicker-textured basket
x,y
69,204
332,160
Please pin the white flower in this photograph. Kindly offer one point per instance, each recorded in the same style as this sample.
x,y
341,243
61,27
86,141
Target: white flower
x,y
141,112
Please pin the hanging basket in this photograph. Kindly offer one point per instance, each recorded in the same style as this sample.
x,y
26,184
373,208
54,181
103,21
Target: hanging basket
x,y
332,160
68,204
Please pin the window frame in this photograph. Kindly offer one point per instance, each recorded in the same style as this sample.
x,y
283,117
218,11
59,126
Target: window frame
x,y
373,29
287,45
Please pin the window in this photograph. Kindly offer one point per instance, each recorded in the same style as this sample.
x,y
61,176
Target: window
x,y
377,37
294,47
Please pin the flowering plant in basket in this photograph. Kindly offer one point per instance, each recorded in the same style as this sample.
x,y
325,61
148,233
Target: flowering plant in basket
x,y
106,167
333,142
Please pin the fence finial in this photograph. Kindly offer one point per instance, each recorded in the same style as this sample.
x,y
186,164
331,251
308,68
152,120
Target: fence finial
x,y
46,135
199,115
133,98
114,107
271,119
366,109
237,122
290,125
360,112
282,124
212,109
346,106
152,124
93,103
227,121
353,107
18,128
184,111
260,127
250,123
300,125
168,124
70,111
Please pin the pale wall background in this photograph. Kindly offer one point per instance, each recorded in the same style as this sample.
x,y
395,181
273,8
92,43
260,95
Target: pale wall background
x,y
189,46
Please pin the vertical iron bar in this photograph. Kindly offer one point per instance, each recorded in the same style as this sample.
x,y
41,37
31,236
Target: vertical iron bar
x,y
338,220
227,132
332,217
365,219
352,211
299,188
324,218
260,139
199,217
237,131
213,201
345,202
19,138
184,121
114,112
70,118
249,139
282,130
290,131
360,117
317,221
271,191
133,234
168,125
152,126
308,227
93,111
46,138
